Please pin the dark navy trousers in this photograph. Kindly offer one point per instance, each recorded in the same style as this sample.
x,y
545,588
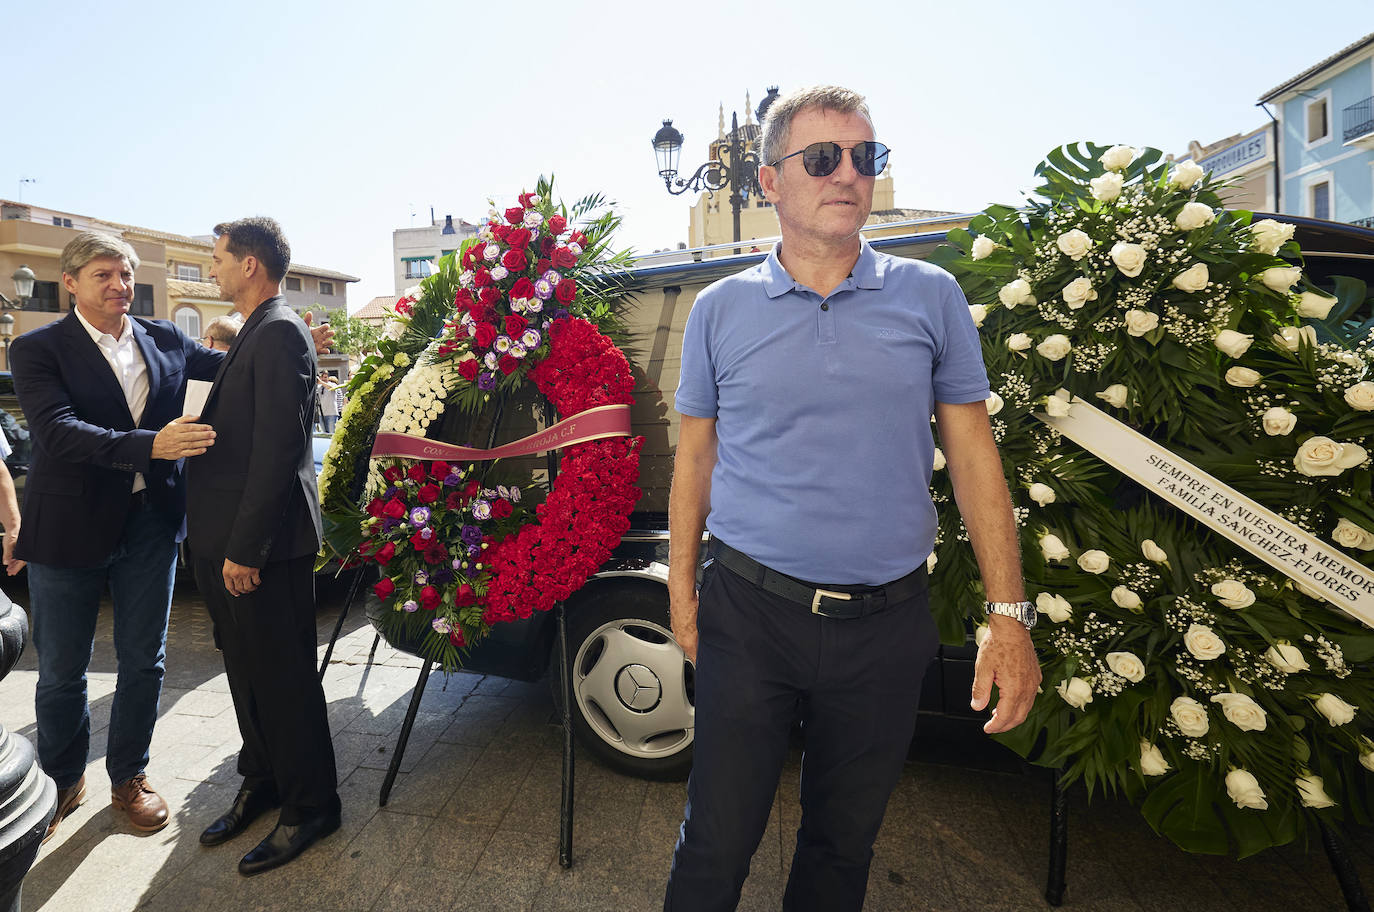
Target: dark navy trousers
x,y
762,663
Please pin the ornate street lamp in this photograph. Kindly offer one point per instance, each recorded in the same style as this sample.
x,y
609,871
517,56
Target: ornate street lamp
x,y
23,289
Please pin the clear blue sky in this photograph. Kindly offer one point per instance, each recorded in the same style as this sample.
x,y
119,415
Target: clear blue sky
x,y
342,118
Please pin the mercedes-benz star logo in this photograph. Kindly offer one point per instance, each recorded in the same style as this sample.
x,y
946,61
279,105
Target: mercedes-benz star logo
x,y
638,688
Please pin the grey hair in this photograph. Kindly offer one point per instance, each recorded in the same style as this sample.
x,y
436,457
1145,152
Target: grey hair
x,y
777,126
223,329
92,245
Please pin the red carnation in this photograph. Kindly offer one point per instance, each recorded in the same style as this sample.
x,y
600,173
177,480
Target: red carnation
x,y
500,508
508,364
462,300
578,238
557,223
489,296
465,595
439,469
436,553
418,540
515,215
526,199
392,473
403,307
485,335
544,264
518,238
384,588
416,473
523,288
471,488
385,554
566,291
468,369
546,245
564,258
515,325
428,494
374,506
394,508
429,598
454,501
515,260
481,277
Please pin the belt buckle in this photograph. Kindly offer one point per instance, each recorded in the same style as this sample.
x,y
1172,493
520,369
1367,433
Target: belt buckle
x,y
826,593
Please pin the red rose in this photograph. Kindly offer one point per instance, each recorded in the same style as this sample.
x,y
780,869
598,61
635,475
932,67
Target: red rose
x,y
392,473
508,364
439,469
485,335
419,542
523,288
564,258
526,199
394,508
462,300
515,215
557,224
455,636
468,369
578,238
489,296
500,508
454,501
515,325
544,265
416,473
471,488
385,554
428,494
481,277
518,238
515,260
384,588
374,506
429,598
403,307
472,255
566,291
465,595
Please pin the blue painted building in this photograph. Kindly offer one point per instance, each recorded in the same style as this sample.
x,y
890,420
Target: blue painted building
x,y
1324,119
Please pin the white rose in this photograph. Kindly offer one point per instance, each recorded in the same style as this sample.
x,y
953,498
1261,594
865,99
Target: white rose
x,y
1152,552
982,247
1053,548
1018,342
939,461
1186,173
1203,643
1233,343
1314,306
1336,710
980,633
1270,235
1017,291
1152,762
1194,278
1094,561
1055,347
1194,215
1115,395
1242,711
1129,258
1078,292
1313,792
931,562
1128,665
1126,598
1278,422
1360,397
1057,406
1042,494
1190,716
1243,377
1348,535
1107,187
1291,338
1286,658
978,312
1076,692
1054,607
1324,456
1074,244
1245,790
1117,158
994,403
1280,278
1139,322
1233,594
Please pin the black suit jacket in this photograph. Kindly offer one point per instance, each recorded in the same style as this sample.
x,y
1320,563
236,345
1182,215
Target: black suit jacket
x,y
251,497
86,446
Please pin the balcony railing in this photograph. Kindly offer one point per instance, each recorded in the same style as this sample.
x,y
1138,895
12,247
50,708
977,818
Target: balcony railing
x,y
1358,120
1364,222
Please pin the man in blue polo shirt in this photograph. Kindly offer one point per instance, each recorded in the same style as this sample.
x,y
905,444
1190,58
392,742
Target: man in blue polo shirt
x,y
807,391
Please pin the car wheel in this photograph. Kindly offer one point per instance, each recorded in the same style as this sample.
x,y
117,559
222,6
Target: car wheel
x,y
632,688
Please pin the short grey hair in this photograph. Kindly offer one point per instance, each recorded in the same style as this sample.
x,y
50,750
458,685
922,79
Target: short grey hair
x,y
92,245
777,125
223,329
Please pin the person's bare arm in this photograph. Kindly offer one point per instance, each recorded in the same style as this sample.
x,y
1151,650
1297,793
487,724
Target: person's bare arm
x,y
9,520
1007,657
688,505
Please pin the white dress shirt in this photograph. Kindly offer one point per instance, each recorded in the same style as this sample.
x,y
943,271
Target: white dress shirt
x,y
130,371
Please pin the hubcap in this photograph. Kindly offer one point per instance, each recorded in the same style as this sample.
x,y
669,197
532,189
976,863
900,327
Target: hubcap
x,y
638,688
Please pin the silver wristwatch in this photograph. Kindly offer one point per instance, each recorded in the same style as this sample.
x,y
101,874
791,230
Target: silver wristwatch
x,y
1023,611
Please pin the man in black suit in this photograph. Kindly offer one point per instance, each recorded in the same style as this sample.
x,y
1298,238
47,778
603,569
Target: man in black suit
x,y
254,527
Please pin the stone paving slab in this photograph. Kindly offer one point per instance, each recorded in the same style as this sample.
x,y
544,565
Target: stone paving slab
x,y
472,822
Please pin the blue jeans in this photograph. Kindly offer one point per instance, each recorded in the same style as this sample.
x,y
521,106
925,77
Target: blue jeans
x,y
65,603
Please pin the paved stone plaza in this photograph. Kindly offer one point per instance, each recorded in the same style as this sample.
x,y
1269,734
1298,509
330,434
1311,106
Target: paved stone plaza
x,y
473,819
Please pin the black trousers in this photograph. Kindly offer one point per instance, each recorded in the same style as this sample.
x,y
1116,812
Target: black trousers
x,y
763,662
268,641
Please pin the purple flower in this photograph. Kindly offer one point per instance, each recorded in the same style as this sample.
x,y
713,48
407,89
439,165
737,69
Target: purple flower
x,y
474,550
443,576
419,516
535,306
452,478
552,277
426,534
543,289
411,606
440,625
561,312
457,563
481,510
389,523
390,492
530,338
486,380
471,535
421,578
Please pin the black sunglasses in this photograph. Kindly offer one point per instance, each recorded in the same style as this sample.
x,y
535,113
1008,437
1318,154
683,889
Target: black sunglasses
x,y
822,158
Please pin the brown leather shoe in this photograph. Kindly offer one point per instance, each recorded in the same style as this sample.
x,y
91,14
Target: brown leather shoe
x,y
68,800
145,807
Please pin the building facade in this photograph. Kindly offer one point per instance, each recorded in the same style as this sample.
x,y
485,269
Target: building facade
x,y
415,252
1246,161
1325,121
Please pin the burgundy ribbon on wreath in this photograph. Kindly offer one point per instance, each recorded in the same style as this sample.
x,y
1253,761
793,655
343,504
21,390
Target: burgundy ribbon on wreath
x,y
592,424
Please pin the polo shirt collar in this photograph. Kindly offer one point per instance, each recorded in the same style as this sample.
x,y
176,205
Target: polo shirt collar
x,y
777,281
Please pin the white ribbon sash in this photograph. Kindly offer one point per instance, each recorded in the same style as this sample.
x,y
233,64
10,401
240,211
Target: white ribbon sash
x,y
1269,537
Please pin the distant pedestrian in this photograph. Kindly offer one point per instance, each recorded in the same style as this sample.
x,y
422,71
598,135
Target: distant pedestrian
x,y
220,333
327,406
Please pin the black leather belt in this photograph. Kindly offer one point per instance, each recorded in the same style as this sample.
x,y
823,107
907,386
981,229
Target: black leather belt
x,y
845,603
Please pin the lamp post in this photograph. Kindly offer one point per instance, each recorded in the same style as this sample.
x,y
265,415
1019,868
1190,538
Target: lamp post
x,y
23,290
736,168
6,334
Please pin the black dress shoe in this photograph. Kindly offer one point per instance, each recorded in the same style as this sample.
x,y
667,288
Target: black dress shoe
x,y
249,805
286,842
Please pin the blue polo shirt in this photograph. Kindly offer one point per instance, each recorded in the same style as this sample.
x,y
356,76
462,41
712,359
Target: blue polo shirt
x,y
823,409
